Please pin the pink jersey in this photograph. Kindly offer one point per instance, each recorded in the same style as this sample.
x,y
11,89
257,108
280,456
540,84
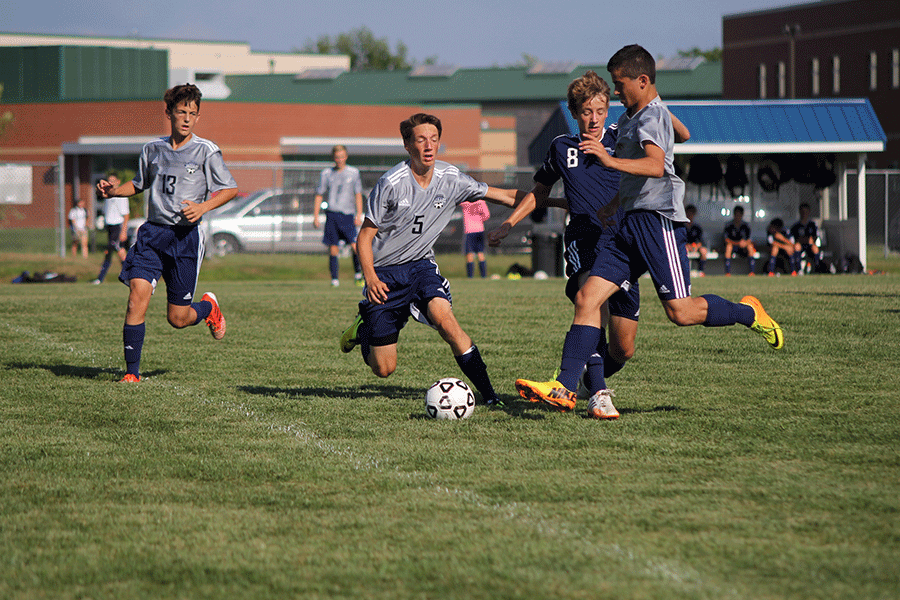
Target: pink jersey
x,y
474,216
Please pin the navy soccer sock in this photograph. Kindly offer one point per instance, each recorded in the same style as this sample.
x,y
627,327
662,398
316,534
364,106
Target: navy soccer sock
x,y
202,308
333,266
482,268
772,260
470,270
594,375
727,266
581,342
722,313
357,268
474,368
133,342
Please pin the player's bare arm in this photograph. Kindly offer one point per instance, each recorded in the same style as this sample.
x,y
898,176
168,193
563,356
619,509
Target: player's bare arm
x,y
317,206
608,211
108,190
653,164
194,210
682,134
376,290
525,207
503,197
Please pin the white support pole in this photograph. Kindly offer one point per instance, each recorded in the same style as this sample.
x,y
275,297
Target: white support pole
x,y
861,198
61,204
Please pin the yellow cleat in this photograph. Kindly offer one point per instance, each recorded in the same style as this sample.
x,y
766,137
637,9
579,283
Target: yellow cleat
x,y
763,324
549,392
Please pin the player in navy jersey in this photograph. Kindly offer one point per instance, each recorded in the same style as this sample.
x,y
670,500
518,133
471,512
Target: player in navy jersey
x,y
694,237
777,236
737,241
651,236
588,186
805,235
185,177
405,212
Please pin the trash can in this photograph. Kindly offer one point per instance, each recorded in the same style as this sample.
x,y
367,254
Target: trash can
x,y
547,251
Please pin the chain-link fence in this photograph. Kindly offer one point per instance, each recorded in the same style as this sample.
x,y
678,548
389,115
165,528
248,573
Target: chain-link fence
x,y
882,207
33,213
29,208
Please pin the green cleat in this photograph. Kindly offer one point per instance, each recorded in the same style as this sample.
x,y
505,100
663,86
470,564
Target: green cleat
x,y
348,338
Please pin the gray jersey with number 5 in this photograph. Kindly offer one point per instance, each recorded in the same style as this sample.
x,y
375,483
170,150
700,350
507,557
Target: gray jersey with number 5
x,y
171,176
410,218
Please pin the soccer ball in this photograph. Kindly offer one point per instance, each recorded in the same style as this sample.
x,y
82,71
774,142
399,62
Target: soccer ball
x,y
449,398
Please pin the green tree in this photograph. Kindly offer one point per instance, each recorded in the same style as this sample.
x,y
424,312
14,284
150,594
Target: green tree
x,y
366,52
712,55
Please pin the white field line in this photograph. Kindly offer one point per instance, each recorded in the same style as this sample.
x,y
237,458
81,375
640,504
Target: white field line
x,y
522,514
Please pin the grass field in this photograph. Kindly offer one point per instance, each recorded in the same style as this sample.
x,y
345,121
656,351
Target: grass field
x,y
271,465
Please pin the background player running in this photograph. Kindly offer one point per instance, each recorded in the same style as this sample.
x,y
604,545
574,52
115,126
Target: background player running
x,y
588,186
405,212
179,172
651,236
116,212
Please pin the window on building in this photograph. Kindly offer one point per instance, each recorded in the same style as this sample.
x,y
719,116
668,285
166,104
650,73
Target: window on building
x,y
895,68
762,81
836,75
873,70
782,80
815,76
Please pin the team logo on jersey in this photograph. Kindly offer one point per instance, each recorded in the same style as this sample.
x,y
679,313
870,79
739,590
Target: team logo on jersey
x,y
191,167
439,201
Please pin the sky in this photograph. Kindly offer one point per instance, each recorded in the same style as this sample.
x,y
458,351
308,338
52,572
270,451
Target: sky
x,y
464,33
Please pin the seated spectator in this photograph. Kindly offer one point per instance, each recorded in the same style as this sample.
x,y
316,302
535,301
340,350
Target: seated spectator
x,y
737,241
695,238
805,235
779,244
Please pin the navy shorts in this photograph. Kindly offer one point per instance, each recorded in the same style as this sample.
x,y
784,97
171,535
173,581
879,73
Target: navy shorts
x,y
410,287
338,226
647,242
171,253
582,248
475,242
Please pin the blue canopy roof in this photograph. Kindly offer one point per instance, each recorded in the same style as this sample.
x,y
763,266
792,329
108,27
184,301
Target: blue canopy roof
x,y
770,126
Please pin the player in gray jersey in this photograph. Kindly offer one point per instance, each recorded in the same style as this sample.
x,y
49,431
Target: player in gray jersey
x,y
651,236
344,213
405,212
184,177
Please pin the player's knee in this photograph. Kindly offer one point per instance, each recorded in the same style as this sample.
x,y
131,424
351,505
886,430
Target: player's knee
x,y
383,370
621,354
178,321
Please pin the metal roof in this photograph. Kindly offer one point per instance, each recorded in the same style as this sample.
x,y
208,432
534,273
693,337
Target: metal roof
x,y
461,86
771,126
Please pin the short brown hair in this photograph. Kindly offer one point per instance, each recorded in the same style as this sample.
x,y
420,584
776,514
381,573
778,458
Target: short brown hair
x,y
407,126
586,87
186,92
633,61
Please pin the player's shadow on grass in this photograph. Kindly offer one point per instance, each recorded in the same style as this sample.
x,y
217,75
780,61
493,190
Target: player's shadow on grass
x,y
79,371
364,391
